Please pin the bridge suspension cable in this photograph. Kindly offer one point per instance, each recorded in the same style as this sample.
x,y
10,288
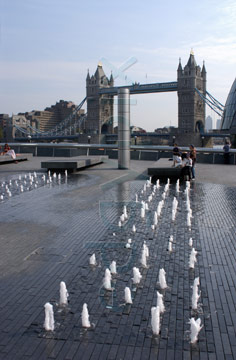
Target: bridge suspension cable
x,y
214,104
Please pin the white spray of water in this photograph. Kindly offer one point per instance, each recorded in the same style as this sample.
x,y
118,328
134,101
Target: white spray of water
x,y
188,220
190,242
122,218
92,260
155,218
155,320
134,228
142,213
195,328
162,279
195,295
136,276
160,302
192,258
177,186
85,316
144,259
145,248
49,317
158,183
170,246
128,299
113,267
63,294
125,212
107,280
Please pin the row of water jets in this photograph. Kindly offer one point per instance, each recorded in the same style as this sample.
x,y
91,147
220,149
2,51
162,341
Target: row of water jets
x,y
195,325
49,322
27,182
156,311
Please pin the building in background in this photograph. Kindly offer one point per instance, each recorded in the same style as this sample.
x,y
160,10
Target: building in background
x,y
208,123
5,128
218,124
28,123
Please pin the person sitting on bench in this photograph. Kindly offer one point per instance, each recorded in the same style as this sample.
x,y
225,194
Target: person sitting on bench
x,y
8,151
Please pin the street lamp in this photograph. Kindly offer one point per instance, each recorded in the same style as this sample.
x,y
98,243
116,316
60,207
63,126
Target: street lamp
x,y
173,138
89,139
135,140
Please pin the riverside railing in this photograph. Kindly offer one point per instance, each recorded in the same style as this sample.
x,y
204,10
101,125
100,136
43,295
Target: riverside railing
x,y
138,152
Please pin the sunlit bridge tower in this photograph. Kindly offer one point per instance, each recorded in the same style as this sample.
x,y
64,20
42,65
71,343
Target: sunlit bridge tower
x,y
99,107
191,108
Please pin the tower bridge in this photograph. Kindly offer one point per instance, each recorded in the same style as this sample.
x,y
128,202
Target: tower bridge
x,y
100,91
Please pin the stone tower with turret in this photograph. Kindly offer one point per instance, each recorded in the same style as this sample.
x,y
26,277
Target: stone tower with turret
x,y
191,108
99,107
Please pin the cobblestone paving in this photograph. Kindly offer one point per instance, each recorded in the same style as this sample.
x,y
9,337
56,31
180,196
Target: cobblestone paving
x,y
47,236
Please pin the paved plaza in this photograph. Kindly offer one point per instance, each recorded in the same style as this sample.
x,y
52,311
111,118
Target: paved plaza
x,y
48,231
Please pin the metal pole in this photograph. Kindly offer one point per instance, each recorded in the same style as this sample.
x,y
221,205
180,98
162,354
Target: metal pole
x,y
123,129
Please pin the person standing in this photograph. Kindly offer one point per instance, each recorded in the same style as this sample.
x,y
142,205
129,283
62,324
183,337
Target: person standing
x,y
193,156
176,154
226,149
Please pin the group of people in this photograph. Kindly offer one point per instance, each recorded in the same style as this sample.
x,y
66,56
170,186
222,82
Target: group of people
x,y
8,151
185,160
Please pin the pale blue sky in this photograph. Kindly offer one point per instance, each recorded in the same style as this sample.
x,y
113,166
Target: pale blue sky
x,y
46,47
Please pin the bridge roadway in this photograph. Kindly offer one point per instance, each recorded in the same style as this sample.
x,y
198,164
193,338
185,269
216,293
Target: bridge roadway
x,y
142,88
47,235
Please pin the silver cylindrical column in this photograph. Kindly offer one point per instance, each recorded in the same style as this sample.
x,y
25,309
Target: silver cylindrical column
x,y
123,128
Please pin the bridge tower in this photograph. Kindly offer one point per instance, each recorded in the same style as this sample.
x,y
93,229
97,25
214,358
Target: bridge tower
x,y
191,108
99,107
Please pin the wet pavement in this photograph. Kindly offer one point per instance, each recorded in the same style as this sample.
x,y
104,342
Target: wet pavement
x,y
48,233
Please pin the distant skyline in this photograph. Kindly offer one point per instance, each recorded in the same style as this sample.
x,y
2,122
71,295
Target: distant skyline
x,y
48,45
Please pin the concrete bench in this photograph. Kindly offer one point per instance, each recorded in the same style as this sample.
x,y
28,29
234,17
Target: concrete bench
x,y
72,164
163,169
6,159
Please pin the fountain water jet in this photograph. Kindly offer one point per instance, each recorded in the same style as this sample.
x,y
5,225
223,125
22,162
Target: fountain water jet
x,y
192,258
128,299
85,317
142,213
113,267
92,260
136,276
195,328
49,317
162,279
107,280
143,258
145,248
155,320
160,302
63,294
195,295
